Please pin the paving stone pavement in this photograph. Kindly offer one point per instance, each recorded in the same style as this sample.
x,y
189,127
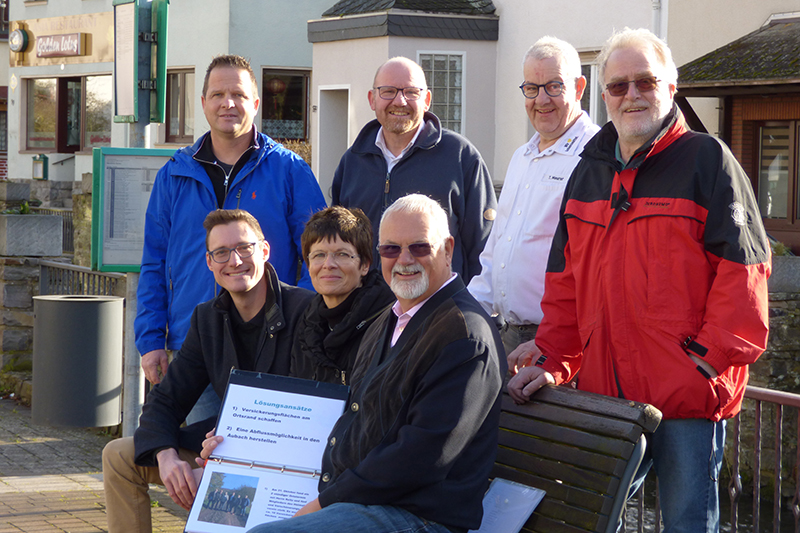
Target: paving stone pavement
x,y
51,479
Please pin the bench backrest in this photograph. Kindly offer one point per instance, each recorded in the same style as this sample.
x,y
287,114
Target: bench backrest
x,y
581,448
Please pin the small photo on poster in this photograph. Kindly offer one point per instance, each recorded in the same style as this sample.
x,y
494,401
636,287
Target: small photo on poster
x,y
228,499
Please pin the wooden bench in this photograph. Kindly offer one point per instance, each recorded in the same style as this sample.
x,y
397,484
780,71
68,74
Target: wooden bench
x,y
583,449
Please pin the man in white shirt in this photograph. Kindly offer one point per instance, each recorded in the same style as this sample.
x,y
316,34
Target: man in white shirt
x,y
513,263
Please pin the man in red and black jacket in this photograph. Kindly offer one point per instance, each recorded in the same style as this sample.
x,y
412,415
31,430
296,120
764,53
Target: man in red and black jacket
x,y
656,285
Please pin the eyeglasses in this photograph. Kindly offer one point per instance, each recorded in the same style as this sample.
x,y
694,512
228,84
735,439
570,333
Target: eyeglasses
x,y
387,92
319,258
643,85
392,251
552,88
223,255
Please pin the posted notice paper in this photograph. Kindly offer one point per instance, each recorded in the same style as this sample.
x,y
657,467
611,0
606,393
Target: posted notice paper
x,y
268,466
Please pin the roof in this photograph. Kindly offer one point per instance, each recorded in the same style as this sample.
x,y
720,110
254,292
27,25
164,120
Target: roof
x,y
456,7
768,56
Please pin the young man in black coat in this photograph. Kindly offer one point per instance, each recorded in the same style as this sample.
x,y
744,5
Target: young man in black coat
x,y
249,325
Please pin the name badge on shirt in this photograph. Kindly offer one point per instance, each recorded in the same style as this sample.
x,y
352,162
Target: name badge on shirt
x,y
549,179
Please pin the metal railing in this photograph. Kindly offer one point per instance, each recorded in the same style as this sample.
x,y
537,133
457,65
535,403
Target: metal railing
x,y
67,228
648,517
63,278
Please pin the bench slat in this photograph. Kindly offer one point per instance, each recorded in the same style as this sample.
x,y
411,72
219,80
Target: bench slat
x,y
592,501
644,415
591,422
618,448
566,473
538,523
563,453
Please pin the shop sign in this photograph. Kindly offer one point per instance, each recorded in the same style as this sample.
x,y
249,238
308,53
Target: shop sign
x,y
64,45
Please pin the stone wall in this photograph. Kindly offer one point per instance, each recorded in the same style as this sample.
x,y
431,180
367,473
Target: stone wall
x,y
82,221
49,193
19,277
778,369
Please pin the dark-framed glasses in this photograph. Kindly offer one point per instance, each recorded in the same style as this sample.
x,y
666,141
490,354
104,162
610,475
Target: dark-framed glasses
x,y
551,88
223,255
392,251
387,92
643,85
339,258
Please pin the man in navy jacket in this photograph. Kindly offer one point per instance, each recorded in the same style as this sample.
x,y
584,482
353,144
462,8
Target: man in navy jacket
x,y
406,150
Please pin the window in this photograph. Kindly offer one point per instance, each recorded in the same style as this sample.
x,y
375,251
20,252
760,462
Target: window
x,y
180,106
284,104
592,102
98,111
68,114
778,172
444,74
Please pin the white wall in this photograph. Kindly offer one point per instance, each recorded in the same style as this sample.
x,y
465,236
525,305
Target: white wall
x,y
345,64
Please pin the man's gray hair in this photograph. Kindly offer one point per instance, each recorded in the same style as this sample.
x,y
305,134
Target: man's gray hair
x,y
421,204
640,39
562,51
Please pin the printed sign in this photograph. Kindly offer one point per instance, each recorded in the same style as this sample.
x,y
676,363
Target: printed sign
x,y
64,45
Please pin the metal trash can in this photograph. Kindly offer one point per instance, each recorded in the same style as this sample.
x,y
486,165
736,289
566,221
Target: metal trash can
x,y
77,360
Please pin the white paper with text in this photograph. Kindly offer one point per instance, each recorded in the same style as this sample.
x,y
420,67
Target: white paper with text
x,y
270,458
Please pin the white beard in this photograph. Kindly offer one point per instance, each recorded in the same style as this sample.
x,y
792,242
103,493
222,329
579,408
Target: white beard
x,y
409,289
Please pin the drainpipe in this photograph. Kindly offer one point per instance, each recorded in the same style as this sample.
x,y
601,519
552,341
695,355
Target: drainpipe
x,y
656,23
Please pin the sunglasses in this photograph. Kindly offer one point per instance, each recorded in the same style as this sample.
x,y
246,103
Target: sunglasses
x,y
392,251
643,85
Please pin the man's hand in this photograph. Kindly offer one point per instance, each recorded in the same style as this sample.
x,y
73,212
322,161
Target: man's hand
x,y
151,362
311,507
522,356
177,477
527,381
705,366
209,445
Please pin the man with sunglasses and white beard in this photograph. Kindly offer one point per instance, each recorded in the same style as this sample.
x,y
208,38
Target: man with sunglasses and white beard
x,y
415,447
656,284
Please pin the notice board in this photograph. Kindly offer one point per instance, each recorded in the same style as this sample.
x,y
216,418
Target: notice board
x,y
121,184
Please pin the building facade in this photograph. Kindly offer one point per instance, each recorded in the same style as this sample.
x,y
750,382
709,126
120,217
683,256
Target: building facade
x,y
61,102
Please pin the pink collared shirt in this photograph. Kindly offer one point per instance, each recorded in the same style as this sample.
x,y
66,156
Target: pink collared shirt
x,y
404,318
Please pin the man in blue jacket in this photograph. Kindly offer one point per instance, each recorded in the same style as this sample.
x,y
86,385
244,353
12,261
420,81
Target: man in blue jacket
x,y
231,167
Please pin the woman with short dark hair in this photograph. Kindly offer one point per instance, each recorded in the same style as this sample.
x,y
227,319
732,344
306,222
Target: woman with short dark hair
x,y
337,248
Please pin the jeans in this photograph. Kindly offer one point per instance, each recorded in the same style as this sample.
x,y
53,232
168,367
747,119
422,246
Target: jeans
x,y
687,456
207,405
352,517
